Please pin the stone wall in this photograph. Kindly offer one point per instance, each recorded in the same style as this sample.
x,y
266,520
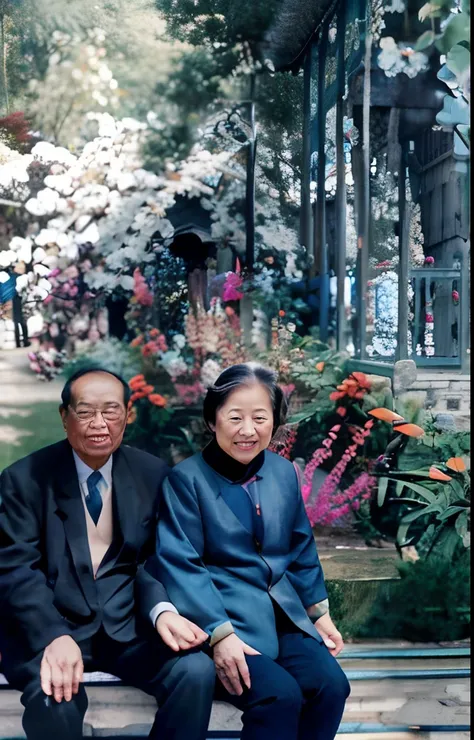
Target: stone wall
x,y
443,392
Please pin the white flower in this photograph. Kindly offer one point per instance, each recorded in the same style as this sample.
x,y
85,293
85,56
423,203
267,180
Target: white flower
x,y
62,183
179,340
4,277
173,363
46,202
22,282
18,242
46,236
90,234
39,254
48,153
210,371
35,324
126,282
125,181
44,284
7,257
41,270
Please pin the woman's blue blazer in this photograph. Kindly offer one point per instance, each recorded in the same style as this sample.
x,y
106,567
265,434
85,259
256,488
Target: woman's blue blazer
x,y
208,560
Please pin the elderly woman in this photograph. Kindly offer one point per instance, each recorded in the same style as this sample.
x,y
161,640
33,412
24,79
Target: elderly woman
x,y
237,556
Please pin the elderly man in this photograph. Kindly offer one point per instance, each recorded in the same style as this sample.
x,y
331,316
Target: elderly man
x,y
77,523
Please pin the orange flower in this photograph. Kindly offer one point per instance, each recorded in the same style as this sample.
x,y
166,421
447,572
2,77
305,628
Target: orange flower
x,y
456,464
136,342
362,379
157,400
137,395
436,474
320,366
147,389
411,430
137,382
281,314
154,333
385,415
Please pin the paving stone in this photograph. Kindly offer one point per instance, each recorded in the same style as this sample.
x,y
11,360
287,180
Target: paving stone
x,y
459,692
423,712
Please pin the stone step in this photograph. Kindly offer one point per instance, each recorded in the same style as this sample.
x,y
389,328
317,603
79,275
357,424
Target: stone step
x,y
389,702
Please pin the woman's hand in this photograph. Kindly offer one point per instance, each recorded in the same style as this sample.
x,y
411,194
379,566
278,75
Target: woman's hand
x,y
332,638
231,666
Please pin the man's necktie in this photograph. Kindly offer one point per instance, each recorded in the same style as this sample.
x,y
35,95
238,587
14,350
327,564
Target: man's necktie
x,y
94,499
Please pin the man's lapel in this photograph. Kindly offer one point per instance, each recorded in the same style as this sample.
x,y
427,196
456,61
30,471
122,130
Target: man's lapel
x,y
128,496
70,509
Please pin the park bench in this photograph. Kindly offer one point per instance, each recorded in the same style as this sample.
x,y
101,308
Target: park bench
x,y
225,722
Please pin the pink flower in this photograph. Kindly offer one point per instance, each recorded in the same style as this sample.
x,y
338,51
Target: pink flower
x,y
318,512
429,260
140,290
231,290
429,318
455,296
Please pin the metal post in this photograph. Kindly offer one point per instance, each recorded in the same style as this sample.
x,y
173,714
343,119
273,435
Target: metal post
x,y
364,224
403,250
306,233
341,183
321,194
250,185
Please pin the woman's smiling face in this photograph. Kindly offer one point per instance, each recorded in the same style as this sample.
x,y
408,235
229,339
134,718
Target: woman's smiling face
x,y
244,423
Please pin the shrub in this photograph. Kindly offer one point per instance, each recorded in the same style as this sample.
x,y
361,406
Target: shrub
x,y
430,602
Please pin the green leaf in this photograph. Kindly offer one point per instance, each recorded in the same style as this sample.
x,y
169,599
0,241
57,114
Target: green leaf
x,y
456,30
382,490
304,414
399,488
413,516
461,524
450,511
425,40
421,490
402,534
189,439
458,60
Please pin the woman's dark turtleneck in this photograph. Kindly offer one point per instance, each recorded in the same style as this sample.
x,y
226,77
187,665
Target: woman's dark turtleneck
x,y
228,466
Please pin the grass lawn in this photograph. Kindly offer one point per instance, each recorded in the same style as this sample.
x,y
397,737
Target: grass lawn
x,y
20,434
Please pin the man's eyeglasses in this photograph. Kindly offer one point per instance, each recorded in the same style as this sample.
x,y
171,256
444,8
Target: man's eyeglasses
x,y
114,413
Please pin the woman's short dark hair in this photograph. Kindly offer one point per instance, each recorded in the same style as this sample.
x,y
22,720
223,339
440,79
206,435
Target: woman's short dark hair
x,y
66,394
235,377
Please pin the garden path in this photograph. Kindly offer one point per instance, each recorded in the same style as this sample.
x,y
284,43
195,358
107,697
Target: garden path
x,y
28,408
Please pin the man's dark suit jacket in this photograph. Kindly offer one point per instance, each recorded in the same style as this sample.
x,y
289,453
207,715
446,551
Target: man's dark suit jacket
x,y
47,587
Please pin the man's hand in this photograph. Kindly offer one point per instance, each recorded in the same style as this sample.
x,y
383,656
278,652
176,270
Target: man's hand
x,y
178,632
332,638
61,668
231,666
